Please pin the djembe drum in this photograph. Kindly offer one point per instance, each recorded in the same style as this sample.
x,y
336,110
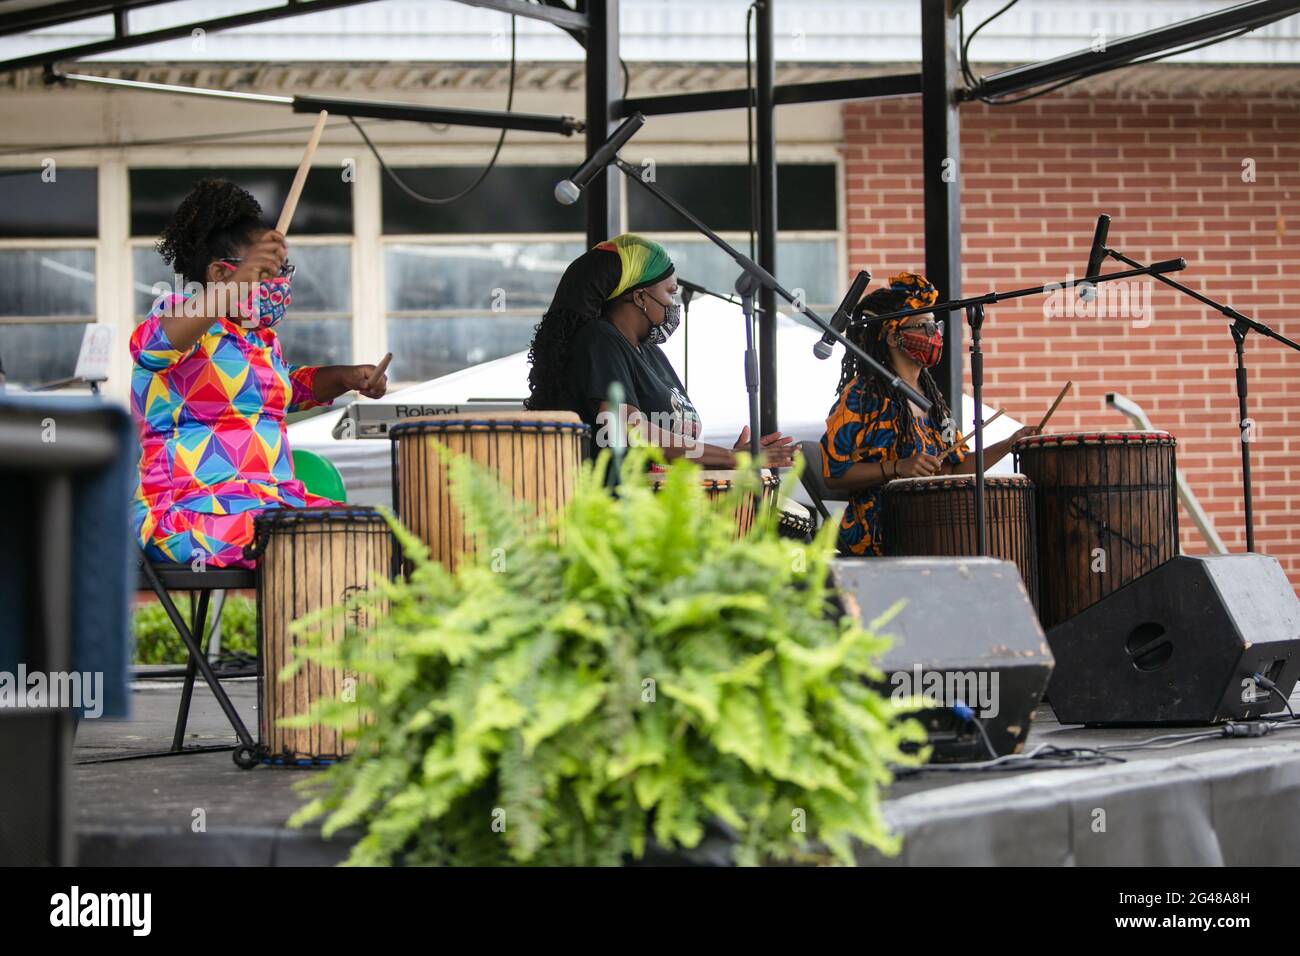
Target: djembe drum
x,y
935,516
536,456
309,560
718,483
1107,512
795,521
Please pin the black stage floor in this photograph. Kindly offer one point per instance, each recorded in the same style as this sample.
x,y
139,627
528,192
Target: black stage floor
x,y
1208,802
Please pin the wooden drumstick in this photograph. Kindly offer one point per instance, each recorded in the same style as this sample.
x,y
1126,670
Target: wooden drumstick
x,y
300,177
380,369
953,447
1051,411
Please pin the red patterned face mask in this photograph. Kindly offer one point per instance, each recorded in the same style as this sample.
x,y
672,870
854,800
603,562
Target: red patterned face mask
x,y
923,344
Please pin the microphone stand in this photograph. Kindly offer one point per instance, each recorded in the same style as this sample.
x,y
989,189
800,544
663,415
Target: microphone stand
x,y
1241,326
974,308
752,278
692,289
746,286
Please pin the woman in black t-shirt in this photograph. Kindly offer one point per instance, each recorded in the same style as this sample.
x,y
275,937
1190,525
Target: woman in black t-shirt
x,y
615,305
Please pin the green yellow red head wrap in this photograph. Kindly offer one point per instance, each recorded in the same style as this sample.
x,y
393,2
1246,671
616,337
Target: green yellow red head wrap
x,y
610,269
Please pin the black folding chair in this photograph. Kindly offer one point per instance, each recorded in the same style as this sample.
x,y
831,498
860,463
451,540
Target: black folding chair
x,y
162,578
812,479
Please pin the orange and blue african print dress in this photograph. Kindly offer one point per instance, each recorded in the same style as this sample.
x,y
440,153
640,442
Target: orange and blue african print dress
x,y
864,427
214,450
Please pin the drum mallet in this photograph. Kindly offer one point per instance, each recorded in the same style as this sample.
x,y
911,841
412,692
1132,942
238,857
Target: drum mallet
x,y
380,369
300,177
1051,411
953,447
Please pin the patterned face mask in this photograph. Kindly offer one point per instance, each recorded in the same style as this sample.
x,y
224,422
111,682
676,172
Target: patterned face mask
x,y
672,318
923,344
269,302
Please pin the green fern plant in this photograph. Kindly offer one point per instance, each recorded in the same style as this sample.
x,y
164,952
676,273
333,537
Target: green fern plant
x,y
647,676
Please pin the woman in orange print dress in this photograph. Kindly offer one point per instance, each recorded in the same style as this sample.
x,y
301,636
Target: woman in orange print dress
x,y
874,434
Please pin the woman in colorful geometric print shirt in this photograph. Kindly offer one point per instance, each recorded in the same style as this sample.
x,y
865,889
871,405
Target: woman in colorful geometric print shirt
x,y
874,434
210,389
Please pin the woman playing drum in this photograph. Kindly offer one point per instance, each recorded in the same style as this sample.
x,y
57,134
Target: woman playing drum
x,y
210,389
615,305
874,434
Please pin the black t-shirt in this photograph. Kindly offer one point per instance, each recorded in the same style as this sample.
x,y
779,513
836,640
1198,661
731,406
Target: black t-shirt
x,y
599,354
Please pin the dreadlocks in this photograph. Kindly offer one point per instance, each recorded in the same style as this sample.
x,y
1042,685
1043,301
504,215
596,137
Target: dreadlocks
x,y
212,222
548,356
873,340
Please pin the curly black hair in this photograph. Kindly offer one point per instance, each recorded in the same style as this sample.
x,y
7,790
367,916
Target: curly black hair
x,y
548,356
871,339
214,221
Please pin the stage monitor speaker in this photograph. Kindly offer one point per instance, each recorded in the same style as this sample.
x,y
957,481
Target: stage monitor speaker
x,y
968,634
1180,645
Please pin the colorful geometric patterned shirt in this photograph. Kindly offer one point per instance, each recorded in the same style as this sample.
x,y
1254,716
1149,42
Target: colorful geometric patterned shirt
x,y
213,445
862,427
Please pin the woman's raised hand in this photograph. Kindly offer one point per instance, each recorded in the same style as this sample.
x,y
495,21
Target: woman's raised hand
x,y
263,259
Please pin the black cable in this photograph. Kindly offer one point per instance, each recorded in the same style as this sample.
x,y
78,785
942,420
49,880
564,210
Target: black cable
x,y
961,45
965,45
1272,688
1042,757
491,164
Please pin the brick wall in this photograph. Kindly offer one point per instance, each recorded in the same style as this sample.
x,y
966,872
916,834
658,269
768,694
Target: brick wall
x,y
1168,169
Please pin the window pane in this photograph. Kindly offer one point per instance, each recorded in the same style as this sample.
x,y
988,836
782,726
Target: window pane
x,y
33,353
325,206
42,282
34,206
719,195
425,348
511,199
305,341
498,275
808,264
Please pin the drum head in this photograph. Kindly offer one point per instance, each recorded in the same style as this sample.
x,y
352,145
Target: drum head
x,y
1073,439
521,420
720,478
286,517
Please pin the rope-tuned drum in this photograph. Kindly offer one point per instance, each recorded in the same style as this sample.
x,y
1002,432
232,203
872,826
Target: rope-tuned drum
x,y
309,560
935,516
535,455
718,483
1107,512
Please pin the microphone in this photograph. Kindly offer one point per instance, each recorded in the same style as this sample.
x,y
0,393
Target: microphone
x,y
1096,256
568,191
840,320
